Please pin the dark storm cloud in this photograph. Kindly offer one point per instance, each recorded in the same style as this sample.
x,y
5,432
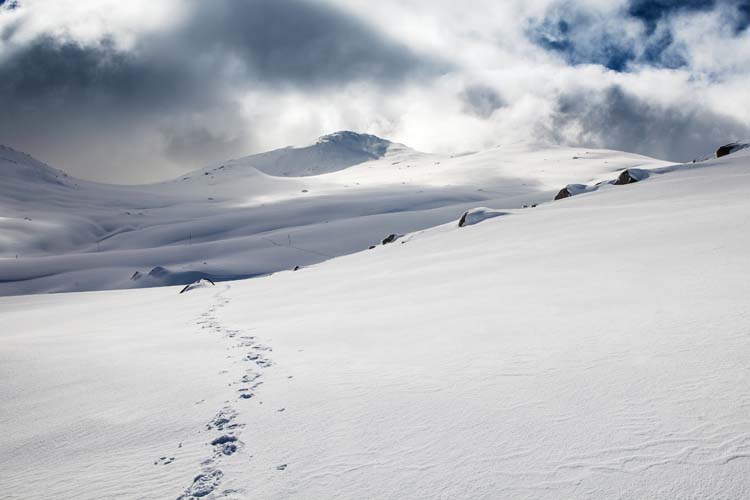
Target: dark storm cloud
x,y
587,36
290,41
62,100
283,41
651,12
481,100
98,91
186,143
49,73
618,120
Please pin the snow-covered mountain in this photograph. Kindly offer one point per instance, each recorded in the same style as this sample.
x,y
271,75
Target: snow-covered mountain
x,y
263,213
330,153
593,347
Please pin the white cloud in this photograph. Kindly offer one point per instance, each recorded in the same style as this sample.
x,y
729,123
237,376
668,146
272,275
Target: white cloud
x,y
424,58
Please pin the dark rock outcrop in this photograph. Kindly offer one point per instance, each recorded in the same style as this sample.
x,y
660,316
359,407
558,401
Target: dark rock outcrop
x,y
462,220
563,193
571,190
630,175
391,238
203,282
730,148
625,178
477,215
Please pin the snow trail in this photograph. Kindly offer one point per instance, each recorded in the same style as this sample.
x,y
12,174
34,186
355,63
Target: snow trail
x,y
226,427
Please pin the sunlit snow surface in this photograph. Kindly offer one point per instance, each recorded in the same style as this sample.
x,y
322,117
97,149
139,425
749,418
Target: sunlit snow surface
x,y
594,347
233,221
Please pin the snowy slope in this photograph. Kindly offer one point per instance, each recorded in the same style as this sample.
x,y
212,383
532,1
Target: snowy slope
x,y
594,347
261,214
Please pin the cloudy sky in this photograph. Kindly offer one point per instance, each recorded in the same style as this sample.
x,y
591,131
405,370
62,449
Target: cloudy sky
x,y
137,90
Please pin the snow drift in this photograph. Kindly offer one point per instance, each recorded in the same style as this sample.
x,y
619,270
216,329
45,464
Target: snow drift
x,y
477,215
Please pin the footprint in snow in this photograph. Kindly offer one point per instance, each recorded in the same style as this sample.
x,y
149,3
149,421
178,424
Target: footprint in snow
x,y
203,484
225,444
223,420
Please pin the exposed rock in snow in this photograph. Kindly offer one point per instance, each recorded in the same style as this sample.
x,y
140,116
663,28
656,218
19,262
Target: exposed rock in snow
x,y
629,176
570,190
562,194
391,238
476,215
730,148
201,283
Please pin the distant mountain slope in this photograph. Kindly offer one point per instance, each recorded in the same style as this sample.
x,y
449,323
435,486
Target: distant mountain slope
x,y
24,177
247,218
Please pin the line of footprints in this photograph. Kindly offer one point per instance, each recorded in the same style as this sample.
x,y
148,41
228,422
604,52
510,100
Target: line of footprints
x,y
223,425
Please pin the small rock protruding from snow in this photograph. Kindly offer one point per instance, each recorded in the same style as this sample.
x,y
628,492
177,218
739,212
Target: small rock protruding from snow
x,y
563,193
730,148
570,190
201,283
391,238
477,215
629,176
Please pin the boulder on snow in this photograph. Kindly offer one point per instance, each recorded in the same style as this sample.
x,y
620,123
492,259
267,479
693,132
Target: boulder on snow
x,y
570,190
391,238
476,215
563,193
730,148
201,283
629,176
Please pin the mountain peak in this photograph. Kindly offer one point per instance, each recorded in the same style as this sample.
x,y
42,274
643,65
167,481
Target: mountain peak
x,y
367,143
330,153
